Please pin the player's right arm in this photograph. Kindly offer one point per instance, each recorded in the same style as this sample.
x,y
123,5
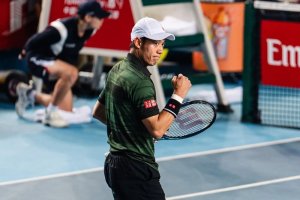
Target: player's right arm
x,y
158,125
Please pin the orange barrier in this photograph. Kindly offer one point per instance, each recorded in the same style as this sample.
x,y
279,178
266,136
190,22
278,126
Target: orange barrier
x,y
225,22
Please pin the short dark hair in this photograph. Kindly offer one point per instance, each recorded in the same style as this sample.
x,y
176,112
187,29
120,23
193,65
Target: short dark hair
x,y
143,39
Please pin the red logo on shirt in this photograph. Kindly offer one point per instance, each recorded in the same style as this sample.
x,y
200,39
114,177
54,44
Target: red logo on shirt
x,y
149,103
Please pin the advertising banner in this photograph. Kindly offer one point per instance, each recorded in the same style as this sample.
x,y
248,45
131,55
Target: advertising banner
x,y
115,31
18,22
280,53
225,23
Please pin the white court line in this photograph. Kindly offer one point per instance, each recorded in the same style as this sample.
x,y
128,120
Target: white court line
x,y
51,176
229,149
237,148
251,185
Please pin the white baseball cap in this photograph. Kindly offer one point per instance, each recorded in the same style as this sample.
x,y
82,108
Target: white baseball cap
x,y
150,28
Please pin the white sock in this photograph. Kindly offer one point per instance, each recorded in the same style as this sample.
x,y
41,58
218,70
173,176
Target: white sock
x,y
51,107
32,95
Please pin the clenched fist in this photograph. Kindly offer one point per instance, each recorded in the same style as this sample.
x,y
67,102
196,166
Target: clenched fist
x,y
181,85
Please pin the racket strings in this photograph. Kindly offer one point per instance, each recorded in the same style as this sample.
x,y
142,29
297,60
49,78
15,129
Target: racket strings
x,y
191,119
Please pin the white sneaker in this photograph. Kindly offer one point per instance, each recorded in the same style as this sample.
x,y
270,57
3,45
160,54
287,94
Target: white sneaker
x,y
53,119
24,100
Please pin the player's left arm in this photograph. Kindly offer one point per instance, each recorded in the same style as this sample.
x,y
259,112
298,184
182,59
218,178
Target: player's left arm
x,y
99,108
99,112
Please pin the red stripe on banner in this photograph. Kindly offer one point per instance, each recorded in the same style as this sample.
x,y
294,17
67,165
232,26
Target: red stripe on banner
x,y
280,53
18,21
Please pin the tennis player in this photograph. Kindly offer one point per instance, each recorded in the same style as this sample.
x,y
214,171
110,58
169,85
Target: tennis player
x,y
53,54
128,106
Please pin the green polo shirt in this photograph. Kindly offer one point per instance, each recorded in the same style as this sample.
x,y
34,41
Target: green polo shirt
x,y
129,97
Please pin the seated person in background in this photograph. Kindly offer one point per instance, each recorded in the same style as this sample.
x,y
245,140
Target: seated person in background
x,y
53,54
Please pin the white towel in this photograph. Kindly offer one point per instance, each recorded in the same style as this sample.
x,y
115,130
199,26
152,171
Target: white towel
x,y
233,95
79,115
179,27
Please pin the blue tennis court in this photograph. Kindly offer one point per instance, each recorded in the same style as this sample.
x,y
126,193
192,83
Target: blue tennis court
x,y
231,160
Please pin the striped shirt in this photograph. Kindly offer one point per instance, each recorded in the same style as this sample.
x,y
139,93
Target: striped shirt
x,y
129,97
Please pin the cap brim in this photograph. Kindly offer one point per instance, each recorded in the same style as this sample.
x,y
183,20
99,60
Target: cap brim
x,y
162,36
103,14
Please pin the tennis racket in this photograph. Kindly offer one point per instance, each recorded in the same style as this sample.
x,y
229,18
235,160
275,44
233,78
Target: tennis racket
x,y
193,118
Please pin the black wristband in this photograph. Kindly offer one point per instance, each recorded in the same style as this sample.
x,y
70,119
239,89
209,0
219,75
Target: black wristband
x,y
173,107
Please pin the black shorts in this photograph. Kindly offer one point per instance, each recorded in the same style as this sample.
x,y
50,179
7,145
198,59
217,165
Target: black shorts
x,y
38,65
132,180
